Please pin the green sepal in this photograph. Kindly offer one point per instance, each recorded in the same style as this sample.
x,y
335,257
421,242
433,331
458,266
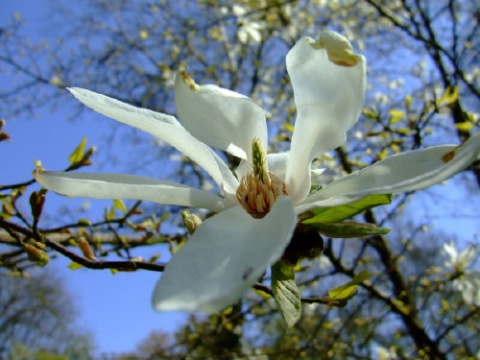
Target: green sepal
x,y
286,292
339,213
349,229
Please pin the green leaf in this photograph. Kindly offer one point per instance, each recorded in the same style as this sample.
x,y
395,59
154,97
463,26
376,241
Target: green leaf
x,y
342,212
286,292
396,115
449,96
77,154
349,229
84,221
408,101
370,113
262,293
405,131
74,266
110,213
464,126
289,127
349,290
119,205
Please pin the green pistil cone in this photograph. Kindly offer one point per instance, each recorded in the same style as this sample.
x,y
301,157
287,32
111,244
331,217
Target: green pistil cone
x,y
259,160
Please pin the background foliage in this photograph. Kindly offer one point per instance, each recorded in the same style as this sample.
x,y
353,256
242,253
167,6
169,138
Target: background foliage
x,y
424,89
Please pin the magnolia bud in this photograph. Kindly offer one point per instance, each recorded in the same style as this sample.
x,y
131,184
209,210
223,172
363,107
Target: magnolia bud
x,y
191,221
37,199
37,255
86,249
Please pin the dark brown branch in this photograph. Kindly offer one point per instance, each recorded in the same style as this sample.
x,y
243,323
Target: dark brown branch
x,y
16,186
410,317
122,265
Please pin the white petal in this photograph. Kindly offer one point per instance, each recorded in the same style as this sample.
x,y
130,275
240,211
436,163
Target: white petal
x,y
164,127
409,171
328,80
219,117
277,164
244,168
120,186
451,251
223,258
312,202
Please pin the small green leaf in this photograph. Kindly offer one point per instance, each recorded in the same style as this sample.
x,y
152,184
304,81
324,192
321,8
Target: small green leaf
x,y
262,293
289,127
349,229
286,292
84,221
119,205
370,113
349,290
405,131
110,213
396,115
408,101
164,216
342,212
449,96
77,154
74,266
464,126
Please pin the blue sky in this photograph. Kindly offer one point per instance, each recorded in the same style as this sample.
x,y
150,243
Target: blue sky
x,y
116,308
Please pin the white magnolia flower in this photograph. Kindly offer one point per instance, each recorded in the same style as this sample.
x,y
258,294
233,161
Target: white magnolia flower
x,y
456,261
260,204
468,282
469,286
386,354
248,29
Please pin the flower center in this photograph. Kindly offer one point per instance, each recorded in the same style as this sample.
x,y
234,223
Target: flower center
x,y
257,196
258,190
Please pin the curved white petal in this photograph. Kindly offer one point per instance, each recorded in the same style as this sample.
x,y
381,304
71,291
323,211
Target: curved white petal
x,y
277,164
219,117
164,127
328,80
243,168
223,258
336,200
408,171
120,186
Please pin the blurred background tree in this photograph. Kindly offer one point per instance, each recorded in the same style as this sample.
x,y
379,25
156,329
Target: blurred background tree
x,y
38,320
424,89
